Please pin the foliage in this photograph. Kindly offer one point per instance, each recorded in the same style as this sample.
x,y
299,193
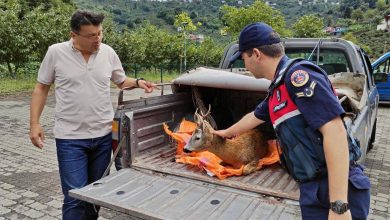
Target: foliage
x,y
49,26
235,19
26,32
357,15
144,32
183,21
309,26
150,46
375,40
381,4
350,37
15,46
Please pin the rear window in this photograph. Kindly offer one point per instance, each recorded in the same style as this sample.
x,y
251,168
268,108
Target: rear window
x,y
330,60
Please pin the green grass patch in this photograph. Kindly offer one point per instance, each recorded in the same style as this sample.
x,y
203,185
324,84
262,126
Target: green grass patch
x,y
17,85
9,85
156,77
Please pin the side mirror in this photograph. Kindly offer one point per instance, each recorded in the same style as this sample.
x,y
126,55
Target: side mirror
x,y
381,77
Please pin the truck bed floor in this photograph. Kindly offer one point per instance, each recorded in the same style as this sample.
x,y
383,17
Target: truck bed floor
x,y
271,180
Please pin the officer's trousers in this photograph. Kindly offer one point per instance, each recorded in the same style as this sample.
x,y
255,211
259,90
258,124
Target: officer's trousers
x,y
314,196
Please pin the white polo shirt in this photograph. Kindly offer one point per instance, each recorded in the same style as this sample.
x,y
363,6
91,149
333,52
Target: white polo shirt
x,y
83,105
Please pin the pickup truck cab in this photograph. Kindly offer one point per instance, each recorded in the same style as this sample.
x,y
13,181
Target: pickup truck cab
x,y
381,69
153,186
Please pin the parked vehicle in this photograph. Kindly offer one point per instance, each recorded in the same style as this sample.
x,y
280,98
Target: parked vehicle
x,y
381,69
153,186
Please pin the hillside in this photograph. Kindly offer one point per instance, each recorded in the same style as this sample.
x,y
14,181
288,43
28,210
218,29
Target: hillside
x,y
162,14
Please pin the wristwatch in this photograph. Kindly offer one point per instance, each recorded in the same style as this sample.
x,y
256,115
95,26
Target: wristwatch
x,y
138,79
339,207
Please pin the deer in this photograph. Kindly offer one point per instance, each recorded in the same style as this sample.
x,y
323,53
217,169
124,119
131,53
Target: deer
x,y
243,150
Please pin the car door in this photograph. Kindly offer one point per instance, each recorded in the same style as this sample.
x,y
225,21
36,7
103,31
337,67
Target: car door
x,y
381,70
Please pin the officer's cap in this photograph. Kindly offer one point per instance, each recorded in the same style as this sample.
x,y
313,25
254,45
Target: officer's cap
x,y
253,36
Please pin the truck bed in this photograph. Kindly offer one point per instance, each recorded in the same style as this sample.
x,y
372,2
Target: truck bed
x,y
153,186
271,180
152,151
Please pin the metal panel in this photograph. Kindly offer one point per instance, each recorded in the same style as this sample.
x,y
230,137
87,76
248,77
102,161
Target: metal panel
x,y
271,181
145,124
155,196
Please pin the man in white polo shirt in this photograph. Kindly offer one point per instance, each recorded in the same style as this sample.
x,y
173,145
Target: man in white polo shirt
x,y
81,70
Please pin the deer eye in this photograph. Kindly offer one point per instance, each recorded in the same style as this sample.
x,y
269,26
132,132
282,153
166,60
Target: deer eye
x,y
197,138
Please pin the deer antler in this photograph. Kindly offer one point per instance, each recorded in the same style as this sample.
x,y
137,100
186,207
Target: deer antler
x,y
207,113
198,117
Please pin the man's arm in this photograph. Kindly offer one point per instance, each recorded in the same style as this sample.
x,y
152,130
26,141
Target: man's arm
x,y
248,122
38,101
337,160
132,83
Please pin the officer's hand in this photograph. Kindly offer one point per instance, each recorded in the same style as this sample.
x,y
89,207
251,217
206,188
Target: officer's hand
x,y
334,216
223,133
37,135
146,85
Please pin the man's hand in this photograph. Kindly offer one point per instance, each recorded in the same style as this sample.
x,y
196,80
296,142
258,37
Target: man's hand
x,y
37,135
334,216
146,85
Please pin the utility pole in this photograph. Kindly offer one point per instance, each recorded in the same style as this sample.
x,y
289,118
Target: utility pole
x,y
185,44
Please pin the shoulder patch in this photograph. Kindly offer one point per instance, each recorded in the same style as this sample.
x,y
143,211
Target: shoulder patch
x,y
308,91
299,78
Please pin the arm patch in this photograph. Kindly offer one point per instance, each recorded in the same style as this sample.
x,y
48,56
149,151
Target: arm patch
x,y
299,78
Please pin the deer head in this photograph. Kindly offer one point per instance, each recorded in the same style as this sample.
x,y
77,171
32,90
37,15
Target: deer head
x,y
202,134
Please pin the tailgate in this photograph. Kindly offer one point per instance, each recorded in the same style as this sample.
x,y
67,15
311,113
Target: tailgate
x,y
153,195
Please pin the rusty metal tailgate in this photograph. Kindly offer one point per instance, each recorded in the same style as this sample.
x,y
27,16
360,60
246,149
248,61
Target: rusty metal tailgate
x,y
152,195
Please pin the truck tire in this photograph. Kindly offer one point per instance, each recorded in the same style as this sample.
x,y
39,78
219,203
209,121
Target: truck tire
x,y
372,138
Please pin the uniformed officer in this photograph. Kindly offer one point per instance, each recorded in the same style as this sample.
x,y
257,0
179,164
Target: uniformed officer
x,y
307,118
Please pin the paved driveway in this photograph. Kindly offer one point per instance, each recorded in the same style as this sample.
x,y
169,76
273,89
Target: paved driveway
x,y
29,179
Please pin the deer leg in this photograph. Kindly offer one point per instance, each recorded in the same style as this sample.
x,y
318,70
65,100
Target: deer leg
x,y
250,168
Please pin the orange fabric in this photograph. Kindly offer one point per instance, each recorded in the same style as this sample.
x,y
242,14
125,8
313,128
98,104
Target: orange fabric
x,y
209,161
183,135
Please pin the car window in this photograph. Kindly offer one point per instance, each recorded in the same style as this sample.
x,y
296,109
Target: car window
x,y
239,63
330,60
383,67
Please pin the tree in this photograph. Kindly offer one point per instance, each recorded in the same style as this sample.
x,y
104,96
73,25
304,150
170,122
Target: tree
x,y
357,15
49,26
329,21
235,19
26,32
350,37
14,45
381,5
309,26
184,22
209,53
347,12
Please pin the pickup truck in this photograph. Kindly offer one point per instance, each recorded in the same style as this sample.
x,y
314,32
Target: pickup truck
x,y
153,186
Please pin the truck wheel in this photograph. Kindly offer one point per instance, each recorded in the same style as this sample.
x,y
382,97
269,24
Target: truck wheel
x,y
372,138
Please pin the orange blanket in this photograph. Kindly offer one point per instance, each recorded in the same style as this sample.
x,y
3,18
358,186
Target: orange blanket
x,y
209,161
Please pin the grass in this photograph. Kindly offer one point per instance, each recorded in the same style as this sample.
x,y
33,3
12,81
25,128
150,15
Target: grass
x,y
156,77
26,84
18,85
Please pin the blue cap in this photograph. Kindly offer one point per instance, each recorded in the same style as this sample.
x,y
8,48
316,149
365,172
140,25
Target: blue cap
x,y
253,36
